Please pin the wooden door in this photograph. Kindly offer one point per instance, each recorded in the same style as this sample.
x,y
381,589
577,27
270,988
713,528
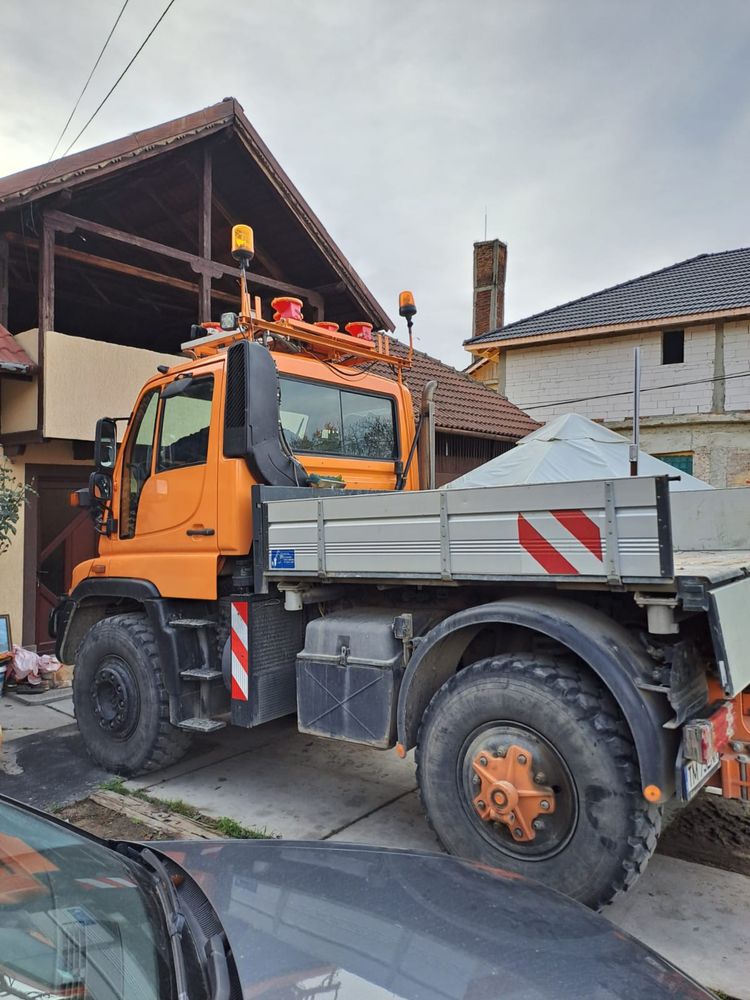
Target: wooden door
x,y
64,536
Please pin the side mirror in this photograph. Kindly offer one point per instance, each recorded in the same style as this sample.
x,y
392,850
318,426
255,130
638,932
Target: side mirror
x,y
105,444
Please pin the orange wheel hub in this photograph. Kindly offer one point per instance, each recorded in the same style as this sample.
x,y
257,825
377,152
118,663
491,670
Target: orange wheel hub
x,y
508,793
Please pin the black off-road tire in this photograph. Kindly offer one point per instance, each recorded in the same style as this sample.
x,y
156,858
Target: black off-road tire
x,y
121,704
612,830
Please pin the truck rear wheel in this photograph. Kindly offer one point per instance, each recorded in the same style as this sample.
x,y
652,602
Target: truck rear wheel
x,y
524,762
121,704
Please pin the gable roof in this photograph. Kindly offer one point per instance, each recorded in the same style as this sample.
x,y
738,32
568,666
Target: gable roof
x,y
462,405
13,359
711,282
228,115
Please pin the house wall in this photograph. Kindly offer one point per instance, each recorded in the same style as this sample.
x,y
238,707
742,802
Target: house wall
x,y
597,366
710,420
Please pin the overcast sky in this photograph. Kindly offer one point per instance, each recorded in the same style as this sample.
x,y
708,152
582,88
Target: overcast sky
x,y
606,138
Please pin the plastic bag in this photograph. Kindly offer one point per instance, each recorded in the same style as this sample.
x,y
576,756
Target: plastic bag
x,y
28,665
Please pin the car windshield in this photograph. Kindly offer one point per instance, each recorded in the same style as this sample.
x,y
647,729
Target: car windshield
x,y
77,920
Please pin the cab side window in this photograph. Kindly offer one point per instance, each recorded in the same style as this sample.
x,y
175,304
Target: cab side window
x,y
185,423
136,467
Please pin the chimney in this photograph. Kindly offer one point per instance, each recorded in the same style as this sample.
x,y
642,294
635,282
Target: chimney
x,y
490,260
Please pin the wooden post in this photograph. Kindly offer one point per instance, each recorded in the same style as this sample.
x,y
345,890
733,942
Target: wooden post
x,y
3,282
46,317
204,237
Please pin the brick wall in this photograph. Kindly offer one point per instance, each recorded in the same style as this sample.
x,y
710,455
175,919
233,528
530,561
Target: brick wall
x,y
490,260
597,366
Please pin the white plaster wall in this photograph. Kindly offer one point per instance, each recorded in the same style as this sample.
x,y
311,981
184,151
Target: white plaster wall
x,y
597,366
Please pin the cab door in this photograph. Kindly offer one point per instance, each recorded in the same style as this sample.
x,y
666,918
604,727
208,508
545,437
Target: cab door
x,y
168,523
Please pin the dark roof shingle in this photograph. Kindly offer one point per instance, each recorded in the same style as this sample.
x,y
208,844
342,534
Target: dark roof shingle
x,y
711,282
13,359
462,405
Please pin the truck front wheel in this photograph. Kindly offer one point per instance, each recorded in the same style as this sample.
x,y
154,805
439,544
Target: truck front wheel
x,y
525,763
121,704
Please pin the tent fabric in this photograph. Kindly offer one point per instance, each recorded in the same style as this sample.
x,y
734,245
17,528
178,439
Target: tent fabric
x,y
570,448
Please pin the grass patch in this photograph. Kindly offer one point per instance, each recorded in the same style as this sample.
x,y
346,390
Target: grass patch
x,y
224,825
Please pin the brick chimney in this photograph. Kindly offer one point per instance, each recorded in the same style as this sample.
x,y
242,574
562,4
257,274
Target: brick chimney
x,y
490,260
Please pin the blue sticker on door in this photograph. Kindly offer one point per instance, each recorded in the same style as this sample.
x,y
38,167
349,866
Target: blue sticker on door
x,y
282,558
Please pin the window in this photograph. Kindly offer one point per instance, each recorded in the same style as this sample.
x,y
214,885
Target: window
x,y
136,466
673,347
683,462
326,420
185,423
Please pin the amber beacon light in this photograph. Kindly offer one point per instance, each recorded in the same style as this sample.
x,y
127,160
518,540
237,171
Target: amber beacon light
x,y
243,244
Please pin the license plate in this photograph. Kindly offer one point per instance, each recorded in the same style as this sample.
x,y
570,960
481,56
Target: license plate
x,y
695,775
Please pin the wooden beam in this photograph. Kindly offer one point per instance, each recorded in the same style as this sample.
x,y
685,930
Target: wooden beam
x,y
204,236
231,218
46,308
3,282
69,224
104,264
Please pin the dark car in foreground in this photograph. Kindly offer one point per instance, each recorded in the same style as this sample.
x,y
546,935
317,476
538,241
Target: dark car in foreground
x,y
82,919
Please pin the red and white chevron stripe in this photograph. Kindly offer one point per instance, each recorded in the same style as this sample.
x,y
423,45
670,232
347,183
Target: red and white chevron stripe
x,y
239,646
562,542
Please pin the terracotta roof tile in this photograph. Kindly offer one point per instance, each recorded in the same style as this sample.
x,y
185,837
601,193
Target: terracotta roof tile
x,y
13,358
462,405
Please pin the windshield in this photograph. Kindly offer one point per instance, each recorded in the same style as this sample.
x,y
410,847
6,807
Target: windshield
x,y
77,920
326,420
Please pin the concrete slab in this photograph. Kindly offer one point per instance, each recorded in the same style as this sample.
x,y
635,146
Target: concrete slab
x,y
299,787
43,697
696,917
64,705
18,719
398,824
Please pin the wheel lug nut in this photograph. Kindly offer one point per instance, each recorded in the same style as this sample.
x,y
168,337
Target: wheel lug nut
x,y
538,824
475,780
501,751
512,817
483,761
481,806
544,804
540,777
522,758
518,832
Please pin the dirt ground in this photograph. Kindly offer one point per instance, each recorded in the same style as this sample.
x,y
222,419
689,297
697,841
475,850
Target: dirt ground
x,y
105,823
711,831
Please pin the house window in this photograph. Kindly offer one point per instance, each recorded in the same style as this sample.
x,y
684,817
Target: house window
x,y
683,462
673,347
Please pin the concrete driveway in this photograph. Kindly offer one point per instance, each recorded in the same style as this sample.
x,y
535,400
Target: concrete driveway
x,y
301,787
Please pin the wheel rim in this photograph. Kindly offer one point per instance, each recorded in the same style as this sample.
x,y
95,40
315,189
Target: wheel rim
x,y
115,698
554,797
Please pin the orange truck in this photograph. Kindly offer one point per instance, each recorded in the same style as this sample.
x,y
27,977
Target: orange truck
x,y
565,658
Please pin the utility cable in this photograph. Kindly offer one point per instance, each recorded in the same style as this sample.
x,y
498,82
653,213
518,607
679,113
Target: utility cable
x,y
119,78
88,80
629,392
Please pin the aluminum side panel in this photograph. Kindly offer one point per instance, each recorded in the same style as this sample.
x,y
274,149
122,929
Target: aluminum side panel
x,y
728,613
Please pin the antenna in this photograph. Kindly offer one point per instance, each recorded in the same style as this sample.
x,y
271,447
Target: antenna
x,y
485,223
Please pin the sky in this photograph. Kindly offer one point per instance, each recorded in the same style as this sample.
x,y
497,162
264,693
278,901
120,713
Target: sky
x,y
603,138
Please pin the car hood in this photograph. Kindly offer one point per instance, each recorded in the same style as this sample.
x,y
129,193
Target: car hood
x,y
342,922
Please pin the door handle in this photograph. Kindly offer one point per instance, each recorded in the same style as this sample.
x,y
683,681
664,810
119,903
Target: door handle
x,y
200,531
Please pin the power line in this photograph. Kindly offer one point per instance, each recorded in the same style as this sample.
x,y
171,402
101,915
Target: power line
x,y
119,78
88,80
629,392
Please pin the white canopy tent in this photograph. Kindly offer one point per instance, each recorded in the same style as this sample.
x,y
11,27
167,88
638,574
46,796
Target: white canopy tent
x,y
570,448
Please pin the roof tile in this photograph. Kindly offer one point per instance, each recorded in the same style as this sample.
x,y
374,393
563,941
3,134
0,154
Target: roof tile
x,y
13,358
462,405
710,282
